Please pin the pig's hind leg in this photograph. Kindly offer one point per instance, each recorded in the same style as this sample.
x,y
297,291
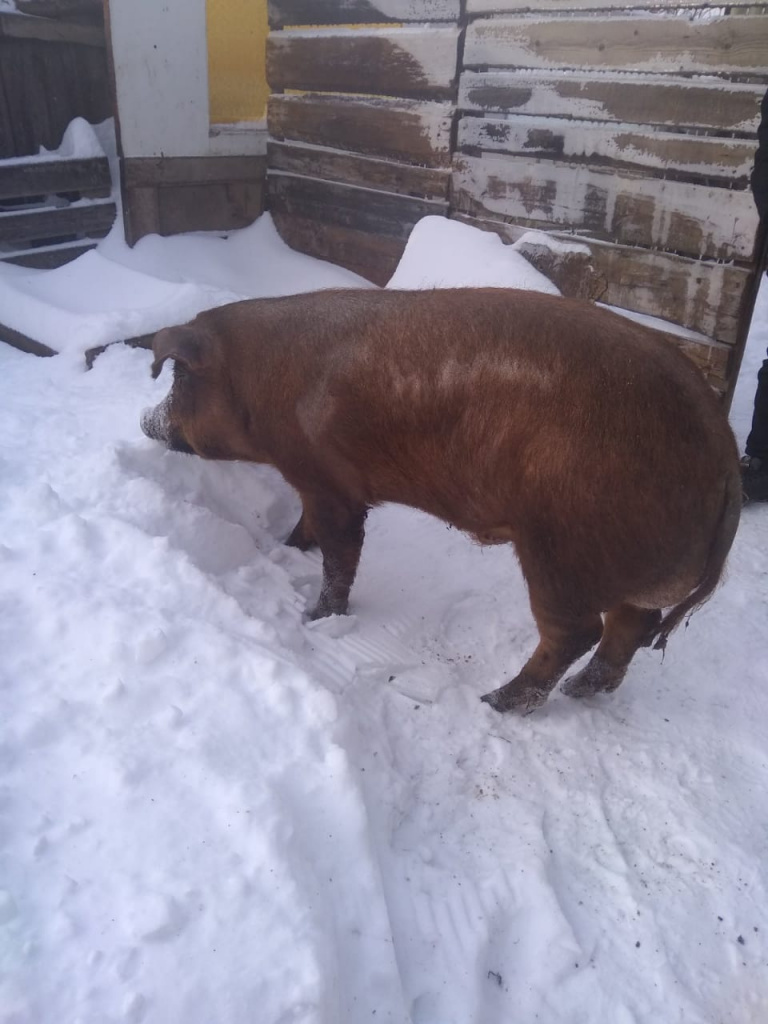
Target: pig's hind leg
x,y
340,530
563,638
626,628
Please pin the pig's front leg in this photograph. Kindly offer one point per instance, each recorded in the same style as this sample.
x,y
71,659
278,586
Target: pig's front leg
x,y
301,536
339,530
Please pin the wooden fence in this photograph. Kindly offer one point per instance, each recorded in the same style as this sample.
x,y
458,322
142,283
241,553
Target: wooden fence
x,y
50,72
631,129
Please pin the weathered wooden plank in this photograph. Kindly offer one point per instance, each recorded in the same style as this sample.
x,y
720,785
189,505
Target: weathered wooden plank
x,y
636,99
347,168
48,257
373,256
411,131
24,344
419,62
521,6
91,221
141,213
656,43
359,12
69,10
32,176
21,26
718,161
693,220
361,209
705,297
215,206
148,172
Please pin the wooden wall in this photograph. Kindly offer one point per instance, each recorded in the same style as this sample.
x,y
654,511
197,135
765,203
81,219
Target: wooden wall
x,y
633,130
360,122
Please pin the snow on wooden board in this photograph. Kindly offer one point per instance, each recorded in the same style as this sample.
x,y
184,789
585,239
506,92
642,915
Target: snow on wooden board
x,y
604,96
628,145
645,42
694,220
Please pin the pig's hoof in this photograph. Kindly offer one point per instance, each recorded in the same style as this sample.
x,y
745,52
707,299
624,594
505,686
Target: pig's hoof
x,y
523,695
323,609
597,677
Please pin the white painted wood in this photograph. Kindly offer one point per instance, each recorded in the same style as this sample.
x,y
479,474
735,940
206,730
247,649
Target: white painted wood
x,y
645,42
633,145
161,75
602,96
430,51
536,6
691,219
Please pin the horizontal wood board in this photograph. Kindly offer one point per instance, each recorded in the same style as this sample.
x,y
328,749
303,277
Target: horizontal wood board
x,y
140,172
49,257
93,220
412,62
688,219
359,12
374,257
381,213
410,131
693,157
348,168
31,177
47,30
729,44
640,99
706,297
475,7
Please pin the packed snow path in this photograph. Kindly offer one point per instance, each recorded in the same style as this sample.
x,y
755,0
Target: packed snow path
x,y
214,813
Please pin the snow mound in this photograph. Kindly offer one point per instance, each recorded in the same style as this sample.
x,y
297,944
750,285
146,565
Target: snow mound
x,y
444,253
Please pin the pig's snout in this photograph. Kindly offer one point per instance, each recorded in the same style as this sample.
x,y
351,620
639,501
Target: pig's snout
x,y
155,424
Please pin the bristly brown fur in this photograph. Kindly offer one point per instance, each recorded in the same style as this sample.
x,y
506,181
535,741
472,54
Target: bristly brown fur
x,y
583,438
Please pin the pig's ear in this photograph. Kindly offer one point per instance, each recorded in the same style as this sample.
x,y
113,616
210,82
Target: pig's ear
x,y
187,345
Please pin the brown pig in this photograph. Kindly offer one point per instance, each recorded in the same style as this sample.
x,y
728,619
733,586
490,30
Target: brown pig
x,y
585,440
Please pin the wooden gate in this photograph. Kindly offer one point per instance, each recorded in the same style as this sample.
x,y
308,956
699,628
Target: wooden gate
x,y
632,129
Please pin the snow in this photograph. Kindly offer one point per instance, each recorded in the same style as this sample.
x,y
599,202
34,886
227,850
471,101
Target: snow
x,y
81,141
212,811
444,253
113,292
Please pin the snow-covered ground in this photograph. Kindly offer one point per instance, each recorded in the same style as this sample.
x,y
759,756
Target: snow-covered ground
x,y
214,813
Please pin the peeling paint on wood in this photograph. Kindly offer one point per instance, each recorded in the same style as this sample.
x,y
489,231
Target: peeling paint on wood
x,y
701,296
695,157
413,131
520,6
417,62
635,99
654,43
365,172
690,219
